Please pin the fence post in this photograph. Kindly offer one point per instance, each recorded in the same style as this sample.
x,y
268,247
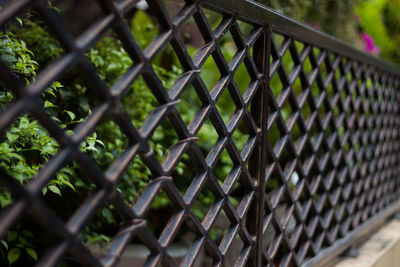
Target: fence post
x,y
257,164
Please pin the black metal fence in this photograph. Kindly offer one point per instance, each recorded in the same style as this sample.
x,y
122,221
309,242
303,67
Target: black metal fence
x,y
330,174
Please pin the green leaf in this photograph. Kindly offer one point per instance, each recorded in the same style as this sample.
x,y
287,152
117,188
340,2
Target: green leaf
x,y
13,255
44,190
4,244
32,253
54,189
11,137
24,123
27,233
12,236
70,114
48,104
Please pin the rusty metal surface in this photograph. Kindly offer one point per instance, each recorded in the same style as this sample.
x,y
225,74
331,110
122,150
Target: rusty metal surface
x,y
333,168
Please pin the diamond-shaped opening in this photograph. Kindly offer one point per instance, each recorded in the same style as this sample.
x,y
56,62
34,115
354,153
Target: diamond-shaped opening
x,y
323,70
210,73
296,185
183,241
286,110
282,256
29,239
313,177
60,101
213,18
240,189
307,65
278,40
319,198
225,105
234,250
220,227
287,162
160,212
203,203
207,137
273,187
343,96
314,133
242,78
245,28
338,74
305,156
302,249
336,111
354,95
8,97
349,78
42,47
6,199
283,212
333,231
295,132
138,102
227,46
299,86
185,171
288,62
105,144
109,58
331,57
164,137
315,90
323,110
273,135
270,234
191,36
241,135
299,46
318,238
276,85
77,16
26,147
71,183
302,194
104,225
167,66
316,51
133,180
173,7
144,28
370,84
223,167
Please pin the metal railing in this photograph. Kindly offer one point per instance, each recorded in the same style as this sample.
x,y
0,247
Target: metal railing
x,y
330,175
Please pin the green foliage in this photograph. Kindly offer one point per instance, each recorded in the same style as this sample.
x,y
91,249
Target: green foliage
x,y
334,17
381,20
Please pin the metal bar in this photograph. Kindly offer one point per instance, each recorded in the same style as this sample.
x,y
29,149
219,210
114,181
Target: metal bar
x,y
261,55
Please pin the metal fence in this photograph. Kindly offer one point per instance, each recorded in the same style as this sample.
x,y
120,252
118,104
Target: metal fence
x,y
332,173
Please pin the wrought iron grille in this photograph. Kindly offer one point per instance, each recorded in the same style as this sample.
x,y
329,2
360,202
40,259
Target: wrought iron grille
x,y
319,166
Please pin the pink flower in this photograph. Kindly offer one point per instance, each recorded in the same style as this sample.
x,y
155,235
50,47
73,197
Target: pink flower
x,y
369,44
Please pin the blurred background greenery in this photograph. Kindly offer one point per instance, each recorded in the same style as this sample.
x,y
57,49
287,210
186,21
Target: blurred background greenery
x,y
347,20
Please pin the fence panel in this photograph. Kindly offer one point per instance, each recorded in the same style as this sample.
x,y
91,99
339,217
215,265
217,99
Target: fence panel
x,y
263,142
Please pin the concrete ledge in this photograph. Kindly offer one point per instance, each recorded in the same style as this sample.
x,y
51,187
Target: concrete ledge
x,y
382,249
